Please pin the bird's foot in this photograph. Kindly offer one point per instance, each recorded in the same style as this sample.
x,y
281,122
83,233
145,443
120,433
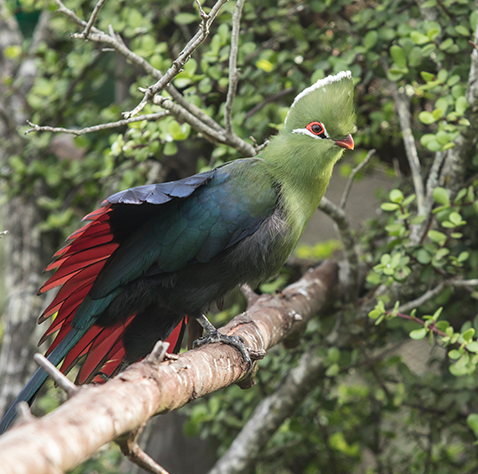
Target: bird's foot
x,y
234,341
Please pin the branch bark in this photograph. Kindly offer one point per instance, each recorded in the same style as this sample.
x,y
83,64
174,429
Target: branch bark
x,y
98,414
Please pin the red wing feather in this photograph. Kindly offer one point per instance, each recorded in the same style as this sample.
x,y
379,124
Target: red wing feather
x,y
78,264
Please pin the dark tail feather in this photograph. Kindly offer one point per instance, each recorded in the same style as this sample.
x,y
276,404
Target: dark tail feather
x,y
32,387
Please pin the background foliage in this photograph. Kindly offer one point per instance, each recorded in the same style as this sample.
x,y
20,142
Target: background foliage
x,y
376,409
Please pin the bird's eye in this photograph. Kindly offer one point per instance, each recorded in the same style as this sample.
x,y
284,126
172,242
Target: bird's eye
x,y
317,129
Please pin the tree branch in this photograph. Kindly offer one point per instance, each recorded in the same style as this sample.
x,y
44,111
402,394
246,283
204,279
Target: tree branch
x,y
402,103
84,34
96,128
97,414
343,227
233,71
350,181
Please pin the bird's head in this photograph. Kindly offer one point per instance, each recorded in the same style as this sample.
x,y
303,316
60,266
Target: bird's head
x,y
322,116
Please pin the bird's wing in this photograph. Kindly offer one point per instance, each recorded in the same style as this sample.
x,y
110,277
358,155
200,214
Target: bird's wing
x,y
215,217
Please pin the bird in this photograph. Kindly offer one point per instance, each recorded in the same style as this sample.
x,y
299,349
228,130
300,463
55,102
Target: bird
x,y
155,255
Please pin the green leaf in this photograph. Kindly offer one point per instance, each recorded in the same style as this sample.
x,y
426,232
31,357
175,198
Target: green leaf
x,y
468,335
398,55
408,200
437,237
389,206
333,354
462,30
134,18
423,257
13,51
472,346
419,38
418,334
427,76
265,65
455,218
426,117
185,18
332,370
472,422
461,105
370,39
445,45
454,354
441,196
396,196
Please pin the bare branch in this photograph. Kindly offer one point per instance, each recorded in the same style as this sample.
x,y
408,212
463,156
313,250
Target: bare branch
x,y
96,128
131,449
84,34
67,436
181,60
60,379
348,186
158,353
250,295
233,71
343,227
407,307
473,282
402,103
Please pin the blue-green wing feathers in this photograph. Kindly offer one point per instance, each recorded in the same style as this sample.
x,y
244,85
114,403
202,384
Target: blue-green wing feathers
x,y
227,205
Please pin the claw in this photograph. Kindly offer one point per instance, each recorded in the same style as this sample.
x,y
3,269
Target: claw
x,y
234,341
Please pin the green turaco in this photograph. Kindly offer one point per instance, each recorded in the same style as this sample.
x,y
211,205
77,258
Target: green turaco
x,y
153,255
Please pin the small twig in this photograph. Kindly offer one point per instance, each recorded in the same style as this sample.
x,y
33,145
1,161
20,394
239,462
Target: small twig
x,y
202,13
348,186
473,44
402,105
24,415
60,379
96,128
345,232
250,295
233,71
130,448
258,148
84,34
158,353
181,60
405,308
473,282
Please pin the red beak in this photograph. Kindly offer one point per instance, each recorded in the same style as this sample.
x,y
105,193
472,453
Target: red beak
x,y
347,142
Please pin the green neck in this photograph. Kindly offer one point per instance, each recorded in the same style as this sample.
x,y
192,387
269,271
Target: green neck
x,y
303,173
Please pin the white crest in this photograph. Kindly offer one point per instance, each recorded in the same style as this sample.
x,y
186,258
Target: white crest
x,y
320,83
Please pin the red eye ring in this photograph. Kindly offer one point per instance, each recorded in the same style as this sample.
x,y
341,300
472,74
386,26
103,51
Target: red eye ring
x,y
317,129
